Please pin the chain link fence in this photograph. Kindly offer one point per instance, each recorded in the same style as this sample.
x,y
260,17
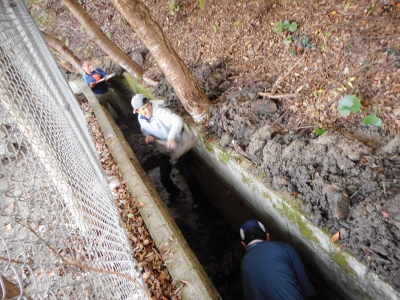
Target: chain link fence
x,y
61,236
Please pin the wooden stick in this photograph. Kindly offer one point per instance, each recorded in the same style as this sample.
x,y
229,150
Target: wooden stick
x,y
287,73
277,96
304,127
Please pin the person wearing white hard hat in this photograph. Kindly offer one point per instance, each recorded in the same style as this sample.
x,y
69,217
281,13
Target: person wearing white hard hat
x,y
165,128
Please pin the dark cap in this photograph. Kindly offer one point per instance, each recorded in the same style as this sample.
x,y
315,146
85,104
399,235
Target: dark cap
x,y
138,101
258,231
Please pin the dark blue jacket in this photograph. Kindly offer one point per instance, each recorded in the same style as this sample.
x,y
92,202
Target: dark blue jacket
x,y
100,87
273,270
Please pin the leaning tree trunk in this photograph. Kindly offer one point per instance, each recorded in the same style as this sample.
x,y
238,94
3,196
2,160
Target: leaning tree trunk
x,y
62,63
188,90
115,53
12,291
64,51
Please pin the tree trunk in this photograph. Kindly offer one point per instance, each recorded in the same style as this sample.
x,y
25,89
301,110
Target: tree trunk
x,y
12,290
188,90
115,53
64,51
63,63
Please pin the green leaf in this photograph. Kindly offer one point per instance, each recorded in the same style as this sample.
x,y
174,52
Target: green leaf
x,y
287,40
286,24
293,27
278,27
373,120
356,106
130,216
319,131
349,104
202,3
344,111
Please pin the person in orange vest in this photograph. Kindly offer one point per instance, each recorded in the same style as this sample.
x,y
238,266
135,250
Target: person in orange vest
x,y
97,78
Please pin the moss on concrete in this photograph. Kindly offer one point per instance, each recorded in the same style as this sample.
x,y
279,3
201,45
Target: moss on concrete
x,y
296,217
207,144
249,181
266,196
224,157
341,260
245,179
136,87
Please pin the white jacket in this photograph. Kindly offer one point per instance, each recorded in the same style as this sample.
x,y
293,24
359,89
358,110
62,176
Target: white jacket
x,y
164,125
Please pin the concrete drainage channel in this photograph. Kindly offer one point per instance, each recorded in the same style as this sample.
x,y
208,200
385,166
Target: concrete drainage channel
x,y
342,272
182,263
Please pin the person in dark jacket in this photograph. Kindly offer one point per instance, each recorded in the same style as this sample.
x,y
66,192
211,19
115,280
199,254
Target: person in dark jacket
x,y
270,269
97,78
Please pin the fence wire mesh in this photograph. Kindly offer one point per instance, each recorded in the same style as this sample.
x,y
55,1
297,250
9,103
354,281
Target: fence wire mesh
x,y
61,236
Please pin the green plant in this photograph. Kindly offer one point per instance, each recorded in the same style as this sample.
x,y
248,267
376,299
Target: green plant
x,y
371,9
292,27
367,64
286,25
278,27
202,3
288,40
373,120
303,40
395,55
173,8
349,104
316,92
347,5
319,131
292,52
216,26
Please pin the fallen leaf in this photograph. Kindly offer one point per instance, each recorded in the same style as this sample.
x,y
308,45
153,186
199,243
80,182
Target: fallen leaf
x,y
335,237
365,211
385,214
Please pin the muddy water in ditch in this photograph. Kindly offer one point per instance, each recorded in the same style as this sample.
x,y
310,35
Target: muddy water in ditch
x,y
214,242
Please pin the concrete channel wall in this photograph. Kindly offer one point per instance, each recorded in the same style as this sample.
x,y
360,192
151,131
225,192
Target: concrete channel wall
x,y
348,278
182,264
